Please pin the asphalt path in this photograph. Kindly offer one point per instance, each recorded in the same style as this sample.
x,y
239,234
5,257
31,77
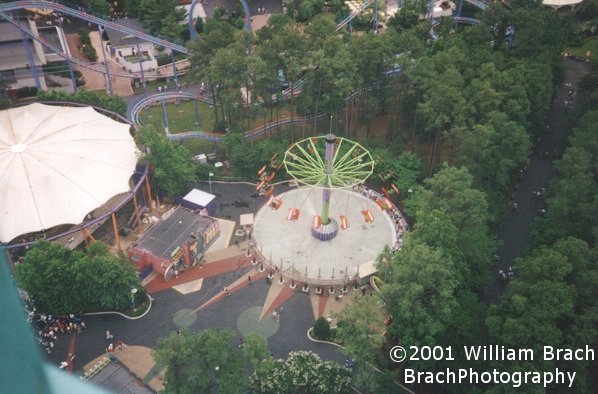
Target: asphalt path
x,y
515,234
233,200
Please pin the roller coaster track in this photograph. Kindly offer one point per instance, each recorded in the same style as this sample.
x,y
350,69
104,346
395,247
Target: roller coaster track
x,y
20,5
248,135
97,67
480,4
135,107
353,14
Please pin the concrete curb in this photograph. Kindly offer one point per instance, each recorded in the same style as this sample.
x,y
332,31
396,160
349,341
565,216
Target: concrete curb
x,y
319,340
122,314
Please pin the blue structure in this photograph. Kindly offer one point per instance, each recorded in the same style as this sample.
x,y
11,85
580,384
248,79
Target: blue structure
x,y
6,8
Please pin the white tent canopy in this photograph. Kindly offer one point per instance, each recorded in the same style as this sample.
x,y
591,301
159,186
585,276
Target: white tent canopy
x,y
57,164
560,3
199,197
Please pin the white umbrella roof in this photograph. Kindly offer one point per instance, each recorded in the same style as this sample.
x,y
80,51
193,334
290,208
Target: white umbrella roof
x,y
57,164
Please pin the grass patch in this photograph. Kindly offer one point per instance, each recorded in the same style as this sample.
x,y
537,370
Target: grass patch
x,y
140,310
152,86
181,118
197,146
135,59
589,44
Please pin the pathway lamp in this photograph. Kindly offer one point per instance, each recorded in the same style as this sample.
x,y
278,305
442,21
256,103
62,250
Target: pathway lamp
x,y
210,175
133,292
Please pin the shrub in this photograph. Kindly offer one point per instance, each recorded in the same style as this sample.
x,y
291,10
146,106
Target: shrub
x,y
112,103
84,36
322,329
90,53
27,91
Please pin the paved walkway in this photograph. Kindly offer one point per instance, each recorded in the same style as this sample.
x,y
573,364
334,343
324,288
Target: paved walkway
x,y
515,232
248,309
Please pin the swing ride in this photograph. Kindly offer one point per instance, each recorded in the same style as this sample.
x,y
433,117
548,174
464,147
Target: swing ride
x,y
320,232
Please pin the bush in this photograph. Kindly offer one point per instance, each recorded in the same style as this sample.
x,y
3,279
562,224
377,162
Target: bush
x,y
27,91
84,36
322,329
112,103
90,53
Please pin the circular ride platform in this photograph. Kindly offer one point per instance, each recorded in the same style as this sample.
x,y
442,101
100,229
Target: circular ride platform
x,y
290,244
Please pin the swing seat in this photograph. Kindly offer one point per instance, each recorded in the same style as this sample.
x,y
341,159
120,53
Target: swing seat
x,y
388,203
293,214
270,177
317,221
344,223
266,191
367,216
382,204
276,203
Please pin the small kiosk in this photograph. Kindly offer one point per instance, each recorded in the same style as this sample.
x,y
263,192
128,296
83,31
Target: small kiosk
x,y
198,199
176,242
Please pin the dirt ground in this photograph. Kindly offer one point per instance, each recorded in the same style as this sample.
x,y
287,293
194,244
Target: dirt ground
x,y
95,80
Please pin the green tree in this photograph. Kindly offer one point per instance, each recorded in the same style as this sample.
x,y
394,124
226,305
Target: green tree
x,y
572,194
201,362
217,35
172,164
255,350
112,103
421,293
451,191
322,329
61,281
132,8
405,19
407,167
492,152
162,16
303,372
359,330
4,100
229,71
100,7
328,86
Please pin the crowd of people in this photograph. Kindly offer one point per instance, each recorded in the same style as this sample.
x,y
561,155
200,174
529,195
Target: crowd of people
x,y
399,220
49,327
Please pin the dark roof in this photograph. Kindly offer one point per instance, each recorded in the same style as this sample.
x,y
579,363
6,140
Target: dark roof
x,y
9,33
120,39
50,34
116,378
170,233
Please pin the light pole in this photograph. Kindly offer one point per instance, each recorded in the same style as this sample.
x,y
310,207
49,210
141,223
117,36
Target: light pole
x,y
210,175
133,292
